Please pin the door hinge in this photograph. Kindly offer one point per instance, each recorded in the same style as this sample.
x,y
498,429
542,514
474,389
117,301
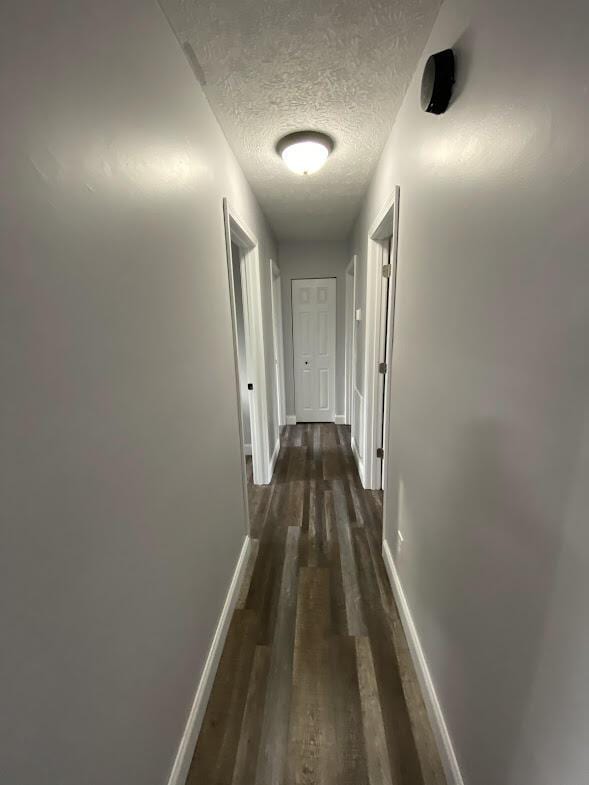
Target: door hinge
x,y
380,452
386,271
382,367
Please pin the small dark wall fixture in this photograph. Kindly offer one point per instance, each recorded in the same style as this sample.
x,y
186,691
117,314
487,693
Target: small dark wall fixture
x,y
437,82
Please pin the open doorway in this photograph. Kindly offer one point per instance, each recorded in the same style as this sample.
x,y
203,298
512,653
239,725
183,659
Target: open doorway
x,y
384,348
246,311
380,311
242,368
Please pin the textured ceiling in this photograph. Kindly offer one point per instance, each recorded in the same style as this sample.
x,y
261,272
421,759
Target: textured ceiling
x,y
269,67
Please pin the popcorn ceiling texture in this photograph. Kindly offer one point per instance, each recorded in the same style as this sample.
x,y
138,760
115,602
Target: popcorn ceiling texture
x,y
271,67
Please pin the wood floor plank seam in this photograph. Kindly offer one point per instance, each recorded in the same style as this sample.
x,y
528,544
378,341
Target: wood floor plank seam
x,y
274,732
356,623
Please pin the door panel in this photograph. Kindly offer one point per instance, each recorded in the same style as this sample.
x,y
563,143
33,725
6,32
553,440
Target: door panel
x,y
314,319
323,389
304,295
322,295
306,326
323,333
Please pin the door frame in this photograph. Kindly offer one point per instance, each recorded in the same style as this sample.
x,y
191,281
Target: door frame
x,y
350,348
278,342
237,231
385,226
294,365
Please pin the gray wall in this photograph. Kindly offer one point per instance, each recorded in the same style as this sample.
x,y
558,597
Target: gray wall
x,y
490,386
314,260
120,470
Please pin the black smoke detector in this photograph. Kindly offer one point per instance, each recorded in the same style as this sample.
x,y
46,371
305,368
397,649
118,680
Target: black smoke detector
x,y
437,82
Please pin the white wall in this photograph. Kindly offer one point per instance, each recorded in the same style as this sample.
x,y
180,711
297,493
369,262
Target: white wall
x,y
490,386
120,469
314,260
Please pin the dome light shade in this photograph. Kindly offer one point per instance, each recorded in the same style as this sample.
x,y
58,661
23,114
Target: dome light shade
x,y
305,152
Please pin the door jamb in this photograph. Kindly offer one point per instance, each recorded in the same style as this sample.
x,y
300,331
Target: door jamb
x,y
237,231
385,225
350,339
278,340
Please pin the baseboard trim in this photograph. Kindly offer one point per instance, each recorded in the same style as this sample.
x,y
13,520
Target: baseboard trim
x,y
340,419
199,704
273,460
358,460
247,449
291,419
440,730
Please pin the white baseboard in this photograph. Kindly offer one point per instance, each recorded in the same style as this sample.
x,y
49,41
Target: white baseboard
x,y
434,709
291,419
247,449
273,460
195,718
359,463
340,419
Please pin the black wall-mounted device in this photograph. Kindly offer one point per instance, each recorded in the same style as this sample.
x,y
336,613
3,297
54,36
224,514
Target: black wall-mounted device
x,y
437,82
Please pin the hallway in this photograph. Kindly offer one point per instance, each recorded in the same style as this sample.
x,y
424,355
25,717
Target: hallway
x,y
309,690
220,223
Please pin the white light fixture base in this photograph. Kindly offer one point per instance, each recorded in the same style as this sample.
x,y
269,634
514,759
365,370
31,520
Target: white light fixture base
x,y
305,152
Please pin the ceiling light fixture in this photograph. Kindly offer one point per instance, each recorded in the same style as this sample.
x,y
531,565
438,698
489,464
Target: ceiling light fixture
x,y
305,152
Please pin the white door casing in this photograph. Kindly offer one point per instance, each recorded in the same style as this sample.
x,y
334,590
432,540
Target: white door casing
x,y
387,312
314,320
376,387
350,354
236,231
276,287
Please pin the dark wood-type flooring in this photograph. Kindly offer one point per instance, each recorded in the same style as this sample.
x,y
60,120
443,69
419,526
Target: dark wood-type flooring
x,y
316,685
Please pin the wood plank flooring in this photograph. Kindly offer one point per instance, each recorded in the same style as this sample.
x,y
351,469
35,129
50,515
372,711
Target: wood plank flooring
x,y
316,684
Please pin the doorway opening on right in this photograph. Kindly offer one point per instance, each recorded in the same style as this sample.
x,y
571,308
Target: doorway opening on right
x,y
380,315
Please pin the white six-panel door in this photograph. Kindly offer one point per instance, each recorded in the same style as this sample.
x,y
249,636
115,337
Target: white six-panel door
x,y
313,317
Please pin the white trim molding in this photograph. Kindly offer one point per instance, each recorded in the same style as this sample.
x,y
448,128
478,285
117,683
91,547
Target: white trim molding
x,y
340,419
291,419
273,460
357,431
189,738
278,342
359,462
350,348
436,716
